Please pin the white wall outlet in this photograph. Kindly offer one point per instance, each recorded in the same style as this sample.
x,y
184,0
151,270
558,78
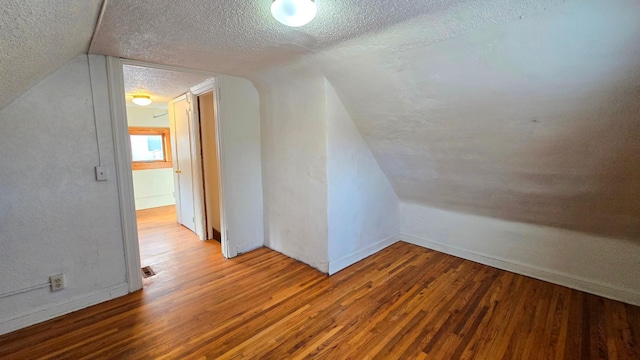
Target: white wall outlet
x,y
57,282
102,173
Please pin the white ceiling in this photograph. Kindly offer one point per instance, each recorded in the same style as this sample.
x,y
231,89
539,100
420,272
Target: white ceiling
x,y
239,37
37,38
160,85
526,110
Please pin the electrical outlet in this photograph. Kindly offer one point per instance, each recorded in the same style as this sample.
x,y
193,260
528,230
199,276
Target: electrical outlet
x,y
102,173
57,282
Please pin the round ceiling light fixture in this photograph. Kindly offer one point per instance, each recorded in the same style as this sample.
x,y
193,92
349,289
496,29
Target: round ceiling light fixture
x,y
142,100
294,13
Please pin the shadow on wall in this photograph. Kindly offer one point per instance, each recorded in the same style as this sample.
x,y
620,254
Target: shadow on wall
x,y
608,201
588,178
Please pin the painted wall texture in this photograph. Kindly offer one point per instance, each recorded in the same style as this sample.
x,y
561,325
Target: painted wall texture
x,y
54,216
294,166
533,120
240,161
327,202
362,206
153,188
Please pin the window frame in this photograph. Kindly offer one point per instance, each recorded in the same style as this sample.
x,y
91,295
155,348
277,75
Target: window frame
x,y
166,146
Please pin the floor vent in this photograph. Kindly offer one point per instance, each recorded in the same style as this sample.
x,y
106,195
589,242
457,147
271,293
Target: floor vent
x,y
147,272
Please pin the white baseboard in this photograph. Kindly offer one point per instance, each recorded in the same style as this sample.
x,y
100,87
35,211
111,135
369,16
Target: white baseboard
x,y
42,314
335,266
630,296
154,201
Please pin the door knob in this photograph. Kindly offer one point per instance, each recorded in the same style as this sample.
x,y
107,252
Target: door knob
x,y
178,171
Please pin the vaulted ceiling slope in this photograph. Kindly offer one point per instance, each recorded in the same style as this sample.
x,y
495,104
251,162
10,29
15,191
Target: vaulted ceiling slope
x,y
527,110
38,37
240,37
535,119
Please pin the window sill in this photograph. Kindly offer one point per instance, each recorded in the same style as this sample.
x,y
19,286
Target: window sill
x,y
151,165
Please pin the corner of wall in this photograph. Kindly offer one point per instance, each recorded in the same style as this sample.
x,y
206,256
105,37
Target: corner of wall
x,y
362,205
603,266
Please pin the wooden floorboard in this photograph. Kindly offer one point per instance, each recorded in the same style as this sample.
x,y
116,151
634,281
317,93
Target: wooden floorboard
x,y
405,302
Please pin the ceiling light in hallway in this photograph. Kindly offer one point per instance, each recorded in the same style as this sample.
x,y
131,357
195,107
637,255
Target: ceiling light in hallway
x,y
142,100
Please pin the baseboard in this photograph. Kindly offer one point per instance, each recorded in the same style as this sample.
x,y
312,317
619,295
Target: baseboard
x,y
42,314
154,201
549,275
335,266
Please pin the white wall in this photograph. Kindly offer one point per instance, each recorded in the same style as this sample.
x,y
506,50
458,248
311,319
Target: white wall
x,y
54,216
154,187
362,206
294,166
604,266
327,202
240,163
144,116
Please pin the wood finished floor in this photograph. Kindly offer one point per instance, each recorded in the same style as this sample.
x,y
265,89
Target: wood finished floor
x,y
405,302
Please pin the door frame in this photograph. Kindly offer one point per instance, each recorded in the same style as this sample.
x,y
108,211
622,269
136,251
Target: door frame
x,y
124,176
210,85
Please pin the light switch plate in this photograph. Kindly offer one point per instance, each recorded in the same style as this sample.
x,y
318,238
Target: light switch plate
x,y
102,173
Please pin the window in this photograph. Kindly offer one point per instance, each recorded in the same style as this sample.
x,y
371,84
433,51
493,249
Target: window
x,y
150,148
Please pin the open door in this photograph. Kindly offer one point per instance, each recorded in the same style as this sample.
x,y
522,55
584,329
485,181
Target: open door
x,y
210,166
182,161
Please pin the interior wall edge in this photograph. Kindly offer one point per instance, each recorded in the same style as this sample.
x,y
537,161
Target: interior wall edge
x,y
346,261
572,281
52,311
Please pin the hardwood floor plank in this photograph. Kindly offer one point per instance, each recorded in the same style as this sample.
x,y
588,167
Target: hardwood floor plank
x,y
404,302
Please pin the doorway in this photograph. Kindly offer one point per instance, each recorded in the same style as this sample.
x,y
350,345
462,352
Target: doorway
x,y
237,112
162,162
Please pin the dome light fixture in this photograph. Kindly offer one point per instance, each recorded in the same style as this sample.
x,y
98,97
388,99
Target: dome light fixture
x,y
294,13
142,100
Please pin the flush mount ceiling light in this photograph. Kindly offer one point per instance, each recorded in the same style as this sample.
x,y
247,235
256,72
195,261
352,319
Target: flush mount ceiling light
x,y
142,100
294,13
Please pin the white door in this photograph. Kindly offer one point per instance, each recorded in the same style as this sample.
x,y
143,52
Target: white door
x,y
182,162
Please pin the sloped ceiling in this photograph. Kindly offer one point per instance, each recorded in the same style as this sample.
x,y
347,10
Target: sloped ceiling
x,y
36,39
240,37
534,120
527,110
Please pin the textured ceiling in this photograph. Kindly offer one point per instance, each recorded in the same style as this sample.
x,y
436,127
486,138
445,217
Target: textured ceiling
x,y
535,119
239,37
527,110
161,85
37,38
